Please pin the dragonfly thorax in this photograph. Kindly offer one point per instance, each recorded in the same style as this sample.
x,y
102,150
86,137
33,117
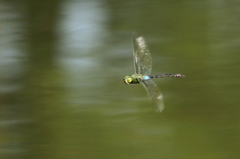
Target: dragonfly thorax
x,y
134,79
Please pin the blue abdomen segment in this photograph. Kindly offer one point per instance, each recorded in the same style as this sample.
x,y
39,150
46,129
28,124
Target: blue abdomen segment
x,y
146,77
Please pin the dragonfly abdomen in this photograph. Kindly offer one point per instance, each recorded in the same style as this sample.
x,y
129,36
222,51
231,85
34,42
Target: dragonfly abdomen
x,y
167,75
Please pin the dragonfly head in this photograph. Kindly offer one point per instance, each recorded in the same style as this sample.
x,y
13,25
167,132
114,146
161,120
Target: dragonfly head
x,y
127,79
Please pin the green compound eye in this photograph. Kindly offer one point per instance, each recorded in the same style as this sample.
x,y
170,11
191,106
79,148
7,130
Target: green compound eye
x,y
127,79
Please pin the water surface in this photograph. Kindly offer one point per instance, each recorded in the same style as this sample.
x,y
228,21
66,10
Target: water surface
x,y
61,80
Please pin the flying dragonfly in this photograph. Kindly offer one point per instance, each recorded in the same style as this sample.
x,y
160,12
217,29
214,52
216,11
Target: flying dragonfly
x,y
143,67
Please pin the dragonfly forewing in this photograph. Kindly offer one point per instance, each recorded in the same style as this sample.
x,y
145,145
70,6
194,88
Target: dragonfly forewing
x,y
154,93
141,56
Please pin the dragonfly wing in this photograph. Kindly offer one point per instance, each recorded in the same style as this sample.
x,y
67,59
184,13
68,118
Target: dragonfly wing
x,y
141,56
154,93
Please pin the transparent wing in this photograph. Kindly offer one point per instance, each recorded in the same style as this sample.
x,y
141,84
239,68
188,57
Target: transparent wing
x,y
154,93
141,56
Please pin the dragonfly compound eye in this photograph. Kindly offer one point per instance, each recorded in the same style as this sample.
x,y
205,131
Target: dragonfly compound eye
x,y
127,80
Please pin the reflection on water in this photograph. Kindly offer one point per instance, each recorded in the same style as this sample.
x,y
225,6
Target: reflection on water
x,y
62,90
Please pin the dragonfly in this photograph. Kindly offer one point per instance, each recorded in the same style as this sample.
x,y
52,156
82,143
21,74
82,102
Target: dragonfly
x,y
143,67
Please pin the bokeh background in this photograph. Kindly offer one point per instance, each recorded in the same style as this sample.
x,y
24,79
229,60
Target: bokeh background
x,y
61,68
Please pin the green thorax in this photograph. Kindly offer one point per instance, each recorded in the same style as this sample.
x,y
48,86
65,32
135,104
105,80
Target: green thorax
x,y
136,78
133,79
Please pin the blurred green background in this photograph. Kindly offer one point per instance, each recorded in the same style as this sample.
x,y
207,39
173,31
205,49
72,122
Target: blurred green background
x,y
62,64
